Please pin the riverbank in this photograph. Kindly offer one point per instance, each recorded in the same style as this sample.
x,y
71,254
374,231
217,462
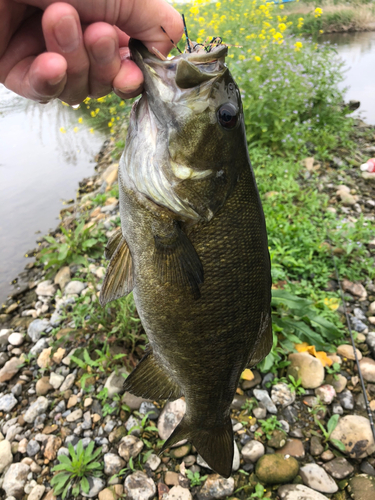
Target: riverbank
x,y
62,356
335,17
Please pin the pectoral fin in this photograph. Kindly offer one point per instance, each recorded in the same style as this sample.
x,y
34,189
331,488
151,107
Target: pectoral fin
x,y
112,244
118,280
265,340
177,261
150,381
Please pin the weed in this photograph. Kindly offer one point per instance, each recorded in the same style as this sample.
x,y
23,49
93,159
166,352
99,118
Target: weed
x,y
296,385
334,370
259,491
331,425
269,425
74,472
195,478
249,405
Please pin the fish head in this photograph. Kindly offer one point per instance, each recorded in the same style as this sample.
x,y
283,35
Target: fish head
x,y
197,127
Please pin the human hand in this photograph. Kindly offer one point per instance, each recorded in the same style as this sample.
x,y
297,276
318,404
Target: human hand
x,y
77,48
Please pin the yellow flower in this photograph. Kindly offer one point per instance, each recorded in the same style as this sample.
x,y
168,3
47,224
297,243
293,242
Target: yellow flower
x,y
298,46
321,31
91,130
281,6
93,114
80,119
75,130
277,36
62,130
241,57
64,103
201,20
318,12
194,10
257,58
282,27
218,5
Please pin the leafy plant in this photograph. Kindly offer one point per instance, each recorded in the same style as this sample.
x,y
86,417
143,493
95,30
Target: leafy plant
x,y
334,370
269,425
259,491
195,478
296,385
74,472
331,425
249,405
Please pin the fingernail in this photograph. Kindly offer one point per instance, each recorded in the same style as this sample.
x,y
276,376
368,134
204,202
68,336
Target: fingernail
x,y
66,33
104,50
57,80
130,90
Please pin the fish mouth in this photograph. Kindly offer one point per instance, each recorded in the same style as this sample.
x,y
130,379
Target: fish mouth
x,y
186,70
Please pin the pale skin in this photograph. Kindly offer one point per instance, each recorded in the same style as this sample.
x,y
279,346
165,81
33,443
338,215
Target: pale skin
x,y
78,48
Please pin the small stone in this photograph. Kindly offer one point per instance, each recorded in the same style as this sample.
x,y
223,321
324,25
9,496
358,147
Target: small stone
x,y
16,339
171,478
362,487
252,451
15,480
51,448
58,356
180,452
316,447
293,448
68,382
368,369
249,384
282,395
367,468
355,433
6,457
7,403
43,386
326,393
10,369
153,462
327,455
354,288
44,359
37,492
62,277
36,328
216,486
275,468
346,399
278,439
309,369
170,417
260,412
56,380
115,492
117,434
139,487
96,485
264,398
115,382
39,346
133,426
178,493
338,382
338,468
72,401
74,416
134,402
299,492
112,464
4,336
346,351
149,409
130,446
316,478
74,287
33,447
46,289
37,408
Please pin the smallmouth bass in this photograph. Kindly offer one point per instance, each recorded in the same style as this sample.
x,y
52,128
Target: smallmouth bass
x,y
192,245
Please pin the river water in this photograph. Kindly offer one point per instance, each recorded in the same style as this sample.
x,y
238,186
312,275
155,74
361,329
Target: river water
x,y
40,166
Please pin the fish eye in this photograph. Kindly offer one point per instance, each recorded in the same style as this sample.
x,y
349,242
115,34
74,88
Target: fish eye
x,y
227,115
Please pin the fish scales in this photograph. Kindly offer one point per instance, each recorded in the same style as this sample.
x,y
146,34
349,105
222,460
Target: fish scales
x,y
200,273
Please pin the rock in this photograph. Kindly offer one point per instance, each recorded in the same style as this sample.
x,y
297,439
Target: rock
x,y
338,468
249,384
327,455
46,288
36,328
115,382
133,426
56,380
178,493
282,395
326,393
75,415
299,492
32,448
16,339
15,480
139,487
74,287
171,478
252,451
278,439
362,487
346,399
275,468
367,468
68,382
355,432
117,434
37,408
39,346
338,382
62,277
112,464
368,369
51,448
58,356
260,412
264,398
6,457
96,485
153,462
4,336
43,386
149,409
110,174
170,417
316,477
346,351
113,493
44,359
130,446
7,403
10,369
370,341
354,288
309,369
134,402
181,451
316,447
236,458
37,492
293,448
216,486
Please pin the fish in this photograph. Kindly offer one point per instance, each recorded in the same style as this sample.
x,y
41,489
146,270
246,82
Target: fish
x,y
192,246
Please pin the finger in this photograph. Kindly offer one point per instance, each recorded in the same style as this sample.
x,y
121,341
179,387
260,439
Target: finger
x,y
129,80
63,35
102,44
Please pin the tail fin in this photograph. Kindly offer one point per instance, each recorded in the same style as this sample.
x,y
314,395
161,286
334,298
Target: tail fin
x,y
215,445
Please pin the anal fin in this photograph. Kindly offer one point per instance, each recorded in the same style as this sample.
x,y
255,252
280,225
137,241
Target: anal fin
x,y
215,444
118,280
265,340
148,380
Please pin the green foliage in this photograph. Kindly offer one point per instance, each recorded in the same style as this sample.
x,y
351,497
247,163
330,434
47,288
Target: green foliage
x,y
269,425
296,385
259,491
74,472
331,426
249,405
334,370
74,247
195,478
